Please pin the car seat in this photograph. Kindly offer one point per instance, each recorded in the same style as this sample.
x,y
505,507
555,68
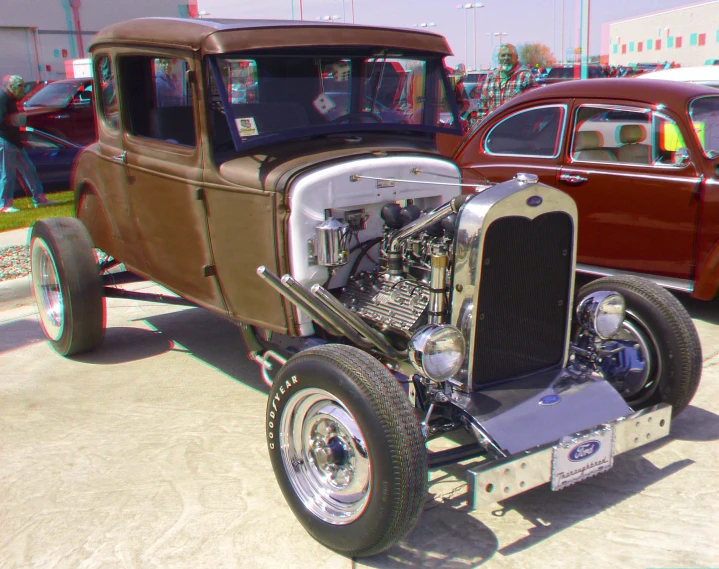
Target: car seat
x,y
631,135
588,147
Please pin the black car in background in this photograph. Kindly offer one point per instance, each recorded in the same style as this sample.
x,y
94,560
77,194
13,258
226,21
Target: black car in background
x,y
53,158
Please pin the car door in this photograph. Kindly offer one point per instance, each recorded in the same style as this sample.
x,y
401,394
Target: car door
x,y
82,115
637,202
164,173
111,201
527,140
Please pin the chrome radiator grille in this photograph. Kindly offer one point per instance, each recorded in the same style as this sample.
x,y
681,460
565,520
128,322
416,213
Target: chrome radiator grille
x,y
521,314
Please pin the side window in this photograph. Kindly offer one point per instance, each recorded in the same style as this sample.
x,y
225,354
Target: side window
x,y
107,90
535,132
158,99
626,136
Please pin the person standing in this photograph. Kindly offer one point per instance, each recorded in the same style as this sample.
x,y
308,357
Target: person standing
x,y
505,82
14,161
167,92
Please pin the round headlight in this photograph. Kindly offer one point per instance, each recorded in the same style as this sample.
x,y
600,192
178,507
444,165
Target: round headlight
x,y
602,313
437,351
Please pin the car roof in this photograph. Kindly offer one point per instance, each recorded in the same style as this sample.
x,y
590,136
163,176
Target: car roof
x,y
670,93
697,73
223,36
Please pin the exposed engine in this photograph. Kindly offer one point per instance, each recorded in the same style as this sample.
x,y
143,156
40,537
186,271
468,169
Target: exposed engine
x,y
402,300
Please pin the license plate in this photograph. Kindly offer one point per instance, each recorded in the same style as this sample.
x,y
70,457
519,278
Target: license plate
x,y
576,459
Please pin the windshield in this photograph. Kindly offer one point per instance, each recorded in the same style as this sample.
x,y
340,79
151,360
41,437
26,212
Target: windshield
x,y
283,96
53,95
704,114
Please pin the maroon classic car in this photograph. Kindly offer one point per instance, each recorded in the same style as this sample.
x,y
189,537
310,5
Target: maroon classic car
x,y
638,157
64,109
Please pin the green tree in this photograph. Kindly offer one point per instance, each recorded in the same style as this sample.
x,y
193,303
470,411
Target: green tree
x,y
535,55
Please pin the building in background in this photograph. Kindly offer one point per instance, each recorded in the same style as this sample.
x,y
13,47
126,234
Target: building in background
x,y
38,36
688,35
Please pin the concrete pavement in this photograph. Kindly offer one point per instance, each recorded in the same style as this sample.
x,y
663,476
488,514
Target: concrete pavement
x,y
150,452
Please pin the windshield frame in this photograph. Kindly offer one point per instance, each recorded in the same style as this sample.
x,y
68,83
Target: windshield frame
x,y
434,68
701,146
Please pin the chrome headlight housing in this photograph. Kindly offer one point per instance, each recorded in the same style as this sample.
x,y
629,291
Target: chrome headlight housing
x,y
602,313
437,351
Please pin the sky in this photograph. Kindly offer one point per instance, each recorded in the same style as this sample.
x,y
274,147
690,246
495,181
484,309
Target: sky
x,y
524,21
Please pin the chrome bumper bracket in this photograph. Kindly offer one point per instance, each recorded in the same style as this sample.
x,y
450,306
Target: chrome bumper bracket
x,y
498,480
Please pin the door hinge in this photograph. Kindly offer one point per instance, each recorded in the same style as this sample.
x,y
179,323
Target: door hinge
x,y
209,271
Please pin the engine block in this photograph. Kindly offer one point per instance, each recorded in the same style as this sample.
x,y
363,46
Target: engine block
x,y
398,306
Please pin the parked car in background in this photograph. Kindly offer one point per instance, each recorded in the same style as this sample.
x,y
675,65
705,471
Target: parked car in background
x,y
561,73
382,306
64,109
640,159
701,74
32,87
53,158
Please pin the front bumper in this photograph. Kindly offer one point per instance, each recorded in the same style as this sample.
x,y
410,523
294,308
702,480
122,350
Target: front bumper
x,y
502,479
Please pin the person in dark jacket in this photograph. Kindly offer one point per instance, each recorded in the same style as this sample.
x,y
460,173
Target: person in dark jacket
x,y
14,161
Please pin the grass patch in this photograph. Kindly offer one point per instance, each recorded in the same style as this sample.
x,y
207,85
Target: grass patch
x,y
29,214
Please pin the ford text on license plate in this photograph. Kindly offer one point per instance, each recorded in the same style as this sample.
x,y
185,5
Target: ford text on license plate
x,y
575,459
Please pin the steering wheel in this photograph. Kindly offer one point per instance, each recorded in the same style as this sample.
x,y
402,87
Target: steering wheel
x,y
357,114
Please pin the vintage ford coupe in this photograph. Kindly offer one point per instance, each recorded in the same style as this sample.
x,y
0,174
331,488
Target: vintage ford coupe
x,y
285,175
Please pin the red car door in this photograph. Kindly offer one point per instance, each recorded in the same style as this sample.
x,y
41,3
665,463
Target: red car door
x,y
637,201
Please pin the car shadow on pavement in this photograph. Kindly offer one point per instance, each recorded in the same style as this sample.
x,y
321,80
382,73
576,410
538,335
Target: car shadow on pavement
x,y
448,536
125,344
211,339
19,333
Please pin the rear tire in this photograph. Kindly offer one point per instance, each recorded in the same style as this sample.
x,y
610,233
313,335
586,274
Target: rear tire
x,y
659,332
67,286
346,449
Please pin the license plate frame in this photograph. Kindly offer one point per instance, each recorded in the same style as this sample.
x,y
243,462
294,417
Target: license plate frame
x,y
577,458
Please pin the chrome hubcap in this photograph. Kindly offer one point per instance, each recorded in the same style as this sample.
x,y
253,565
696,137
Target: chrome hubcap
x,y
46,287
325,456
637,365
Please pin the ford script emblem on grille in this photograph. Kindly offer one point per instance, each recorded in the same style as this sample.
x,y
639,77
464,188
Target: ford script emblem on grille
x,y
584,450
550,400
534,201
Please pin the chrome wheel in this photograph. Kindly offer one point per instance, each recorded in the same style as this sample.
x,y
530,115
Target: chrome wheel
x,y
46,287
325,456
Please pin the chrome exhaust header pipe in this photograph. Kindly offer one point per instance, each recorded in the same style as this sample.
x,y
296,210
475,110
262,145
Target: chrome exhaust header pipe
x,y
342,327
314,309
369,333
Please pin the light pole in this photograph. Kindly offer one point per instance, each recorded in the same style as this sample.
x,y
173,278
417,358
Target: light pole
x,y
474,8
329,18
424,25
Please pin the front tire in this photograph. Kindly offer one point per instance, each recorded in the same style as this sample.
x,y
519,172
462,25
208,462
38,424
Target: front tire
x,y
66,285
347,449
660,342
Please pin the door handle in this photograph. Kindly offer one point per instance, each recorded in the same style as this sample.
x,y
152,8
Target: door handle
x,y
121,158
574,179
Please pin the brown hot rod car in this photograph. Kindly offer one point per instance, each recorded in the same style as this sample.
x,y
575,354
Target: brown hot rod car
x,y
386,301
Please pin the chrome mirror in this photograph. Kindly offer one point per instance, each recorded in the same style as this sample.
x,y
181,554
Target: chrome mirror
x,y
681,157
